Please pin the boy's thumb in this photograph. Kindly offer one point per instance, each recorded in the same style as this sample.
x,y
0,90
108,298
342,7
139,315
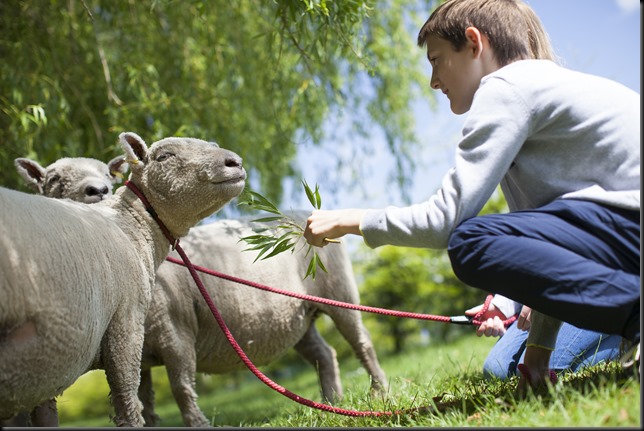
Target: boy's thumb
x,y
472,311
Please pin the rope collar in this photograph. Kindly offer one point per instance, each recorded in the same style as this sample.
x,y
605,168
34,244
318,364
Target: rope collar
x,y
173,242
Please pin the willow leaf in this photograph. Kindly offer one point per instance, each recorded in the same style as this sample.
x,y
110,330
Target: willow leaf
x,y
318,199
283,237
310,195
311,268
279,248
320,264
257,201
267,219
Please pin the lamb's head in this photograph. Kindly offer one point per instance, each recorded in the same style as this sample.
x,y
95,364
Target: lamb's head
x,y
77,178
185,179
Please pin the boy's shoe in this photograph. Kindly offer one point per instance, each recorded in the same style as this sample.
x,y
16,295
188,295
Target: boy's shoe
x,y
631,358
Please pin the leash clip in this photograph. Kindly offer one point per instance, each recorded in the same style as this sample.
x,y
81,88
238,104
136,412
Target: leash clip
x,y
461,320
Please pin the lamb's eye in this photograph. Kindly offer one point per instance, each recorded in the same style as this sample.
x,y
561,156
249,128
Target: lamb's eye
x,y
163,156
53,179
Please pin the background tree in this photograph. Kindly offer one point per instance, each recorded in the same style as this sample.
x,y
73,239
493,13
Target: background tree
x,y
259,77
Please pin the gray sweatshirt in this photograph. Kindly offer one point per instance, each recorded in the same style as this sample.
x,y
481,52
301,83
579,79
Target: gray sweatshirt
x,y
542,132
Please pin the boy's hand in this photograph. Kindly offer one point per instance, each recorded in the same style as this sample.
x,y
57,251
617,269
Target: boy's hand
x,y
322,226
492,325
523,321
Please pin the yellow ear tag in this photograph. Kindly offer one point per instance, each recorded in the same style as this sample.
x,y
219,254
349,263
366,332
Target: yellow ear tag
x,y
133,162
117,174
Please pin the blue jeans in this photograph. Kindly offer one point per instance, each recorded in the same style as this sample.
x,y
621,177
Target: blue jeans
x,y
575,348
574,260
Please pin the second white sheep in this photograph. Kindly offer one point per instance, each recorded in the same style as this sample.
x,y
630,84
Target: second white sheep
x,y
182,334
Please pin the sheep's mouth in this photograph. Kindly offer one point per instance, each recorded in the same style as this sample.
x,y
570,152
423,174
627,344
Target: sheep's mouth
x,y
95,199
237,179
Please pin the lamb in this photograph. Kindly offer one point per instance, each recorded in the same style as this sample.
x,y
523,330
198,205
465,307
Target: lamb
x,y
77,178
78,300
182,334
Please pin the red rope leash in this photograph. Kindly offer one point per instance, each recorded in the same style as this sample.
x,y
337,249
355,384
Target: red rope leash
x,y
404,314
267,381
240,352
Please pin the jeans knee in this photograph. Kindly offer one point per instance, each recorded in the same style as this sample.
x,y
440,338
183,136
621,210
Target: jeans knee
x,y
493,369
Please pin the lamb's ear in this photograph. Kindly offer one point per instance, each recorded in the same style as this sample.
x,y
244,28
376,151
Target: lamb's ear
x,y
135,149
117,167
31,172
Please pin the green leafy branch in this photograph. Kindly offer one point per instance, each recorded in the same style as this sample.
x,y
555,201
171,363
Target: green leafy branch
x,y
271,241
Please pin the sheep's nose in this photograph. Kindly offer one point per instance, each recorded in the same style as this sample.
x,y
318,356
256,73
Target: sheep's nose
x,y
233,160
96,191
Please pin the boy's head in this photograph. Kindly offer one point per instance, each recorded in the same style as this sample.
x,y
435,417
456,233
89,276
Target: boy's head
x,y
511,27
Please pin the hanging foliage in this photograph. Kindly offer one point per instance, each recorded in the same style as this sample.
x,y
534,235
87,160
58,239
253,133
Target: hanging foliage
x,y
258,77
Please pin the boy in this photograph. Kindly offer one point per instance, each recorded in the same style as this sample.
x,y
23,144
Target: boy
x,y
563,145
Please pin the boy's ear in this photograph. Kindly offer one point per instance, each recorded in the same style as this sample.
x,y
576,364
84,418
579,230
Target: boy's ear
x,y
474,41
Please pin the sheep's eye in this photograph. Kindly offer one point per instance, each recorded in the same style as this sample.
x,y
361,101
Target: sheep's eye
x,y
55,186
53,179
163,156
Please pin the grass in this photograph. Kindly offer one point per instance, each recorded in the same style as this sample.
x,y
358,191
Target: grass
x,y
446,379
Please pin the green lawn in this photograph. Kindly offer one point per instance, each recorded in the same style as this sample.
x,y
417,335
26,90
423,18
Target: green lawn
x,y
449,374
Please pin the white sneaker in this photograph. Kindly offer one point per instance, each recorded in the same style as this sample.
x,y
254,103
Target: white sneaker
x,y
631,357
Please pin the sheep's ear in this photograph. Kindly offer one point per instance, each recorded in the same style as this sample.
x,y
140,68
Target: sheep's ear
x,y
135,149
31,172
117,167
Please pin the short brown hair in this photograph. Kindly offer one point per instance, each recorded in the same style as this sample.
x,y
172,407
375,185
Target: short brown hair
x,y
513,29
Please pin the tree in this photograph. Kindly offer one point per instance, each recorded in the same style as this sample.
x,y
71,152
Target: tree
x,y
260,78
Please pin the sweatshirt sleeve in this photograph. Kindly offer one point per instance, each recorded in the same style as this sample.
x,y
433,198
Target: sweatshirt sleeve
x,y
543,331
497,126
506,305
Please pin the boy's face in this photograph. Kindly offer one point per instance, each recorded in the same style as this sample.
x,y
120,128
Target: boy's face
x,y
456,73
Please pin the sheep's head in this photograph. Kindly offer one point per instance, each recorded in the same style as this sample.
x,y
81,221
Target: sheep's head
x,y
77,178
185,179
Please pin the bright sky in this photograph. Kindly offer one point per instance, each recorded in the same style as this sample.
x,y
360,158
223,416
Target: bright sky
x,y
601,37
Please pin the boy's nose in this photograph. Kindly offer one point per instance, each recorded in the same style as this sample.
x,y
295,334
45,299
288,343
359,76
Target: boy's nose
x,y
433,83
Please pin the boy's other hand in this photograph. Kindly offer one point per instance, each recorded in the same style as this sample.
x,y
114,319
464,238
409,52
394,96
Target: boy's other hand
x,y
493,318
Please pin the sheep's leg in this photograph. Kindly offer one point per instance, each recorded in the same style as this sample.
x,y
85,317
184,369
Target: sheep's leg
x,y
121,353
349,323
180,361
45,415
146,395
20,420
315,350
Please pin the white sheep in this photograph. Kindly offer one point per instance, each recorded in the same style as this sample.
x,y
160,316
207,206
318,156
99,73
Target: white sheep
x,y
77,178
182,334
75,172
76,280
